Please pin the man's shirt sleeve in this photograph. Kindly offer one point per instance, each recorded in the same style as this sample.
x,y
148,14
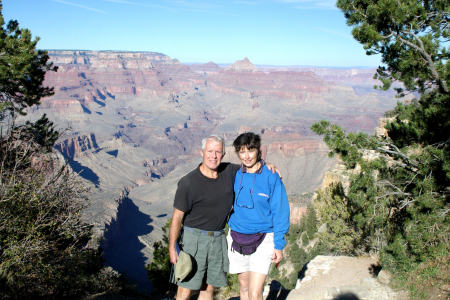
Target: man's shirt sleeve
x,y
182,200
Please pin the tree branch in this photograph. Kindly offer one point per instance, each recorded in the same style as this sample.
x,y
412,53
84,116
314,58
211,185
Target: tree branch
x,y
397,152
428,59
393,194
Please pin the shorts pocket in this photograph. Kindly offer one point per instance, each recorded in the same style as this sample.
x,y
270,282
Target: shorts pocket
x,y
190,243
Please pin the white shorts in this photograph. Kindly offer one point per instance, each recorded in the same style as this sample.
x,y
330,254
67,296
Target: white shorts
x,y
259,261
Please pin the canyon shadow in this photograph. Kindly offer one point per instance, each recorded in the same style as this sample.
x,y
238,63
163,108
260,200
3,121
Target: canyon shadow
x,y
122,247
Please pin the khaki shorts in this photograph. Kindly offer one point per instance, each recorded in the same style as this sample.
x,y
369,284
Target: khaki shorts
x,y
210,258
259,261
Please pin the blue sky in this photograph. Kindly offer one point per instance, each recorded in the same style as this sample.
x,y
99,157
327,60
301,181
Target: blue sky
x,y
268,32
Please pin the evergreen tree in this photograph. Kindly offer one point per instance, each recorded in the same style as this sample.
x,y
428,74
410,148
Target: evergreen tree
x,y
43,238
412,38
22,69
397,202
410,35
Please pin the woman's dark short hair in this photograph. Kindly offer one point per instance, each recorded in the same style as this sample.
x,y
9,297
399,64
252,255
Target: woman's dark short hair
x,y
249,140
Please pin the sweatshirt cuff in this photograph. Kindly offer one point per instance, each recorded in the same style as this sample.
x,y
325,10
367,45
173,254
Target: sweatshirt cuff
x,y
279,243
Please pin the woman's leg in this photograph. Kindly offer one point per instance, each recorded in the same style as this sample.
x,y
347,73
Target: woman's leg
x,y
256,285
243,285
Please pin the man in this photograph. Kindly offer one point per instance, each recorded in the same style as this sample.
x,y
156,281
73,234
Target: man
x,y
204,199
202,203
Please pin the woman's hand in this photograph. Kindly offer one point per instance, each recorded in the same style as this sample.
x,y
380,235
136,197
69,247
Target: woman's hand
x,y
277,256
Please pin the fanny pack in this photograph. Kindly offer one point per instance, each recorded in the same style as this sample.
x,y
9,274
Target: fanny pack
x,y
246,244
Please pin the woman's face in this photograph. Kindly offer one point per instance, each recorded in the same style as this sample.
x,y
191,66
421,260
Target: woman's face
x,y
248,156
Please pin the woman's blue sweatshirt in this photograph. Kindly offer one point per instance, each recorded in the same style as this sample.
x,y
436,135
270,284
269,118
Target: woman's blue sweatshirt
x,y
260,205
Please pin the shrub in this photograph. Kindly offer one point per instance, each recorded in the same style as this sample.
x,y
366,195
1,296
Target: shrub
x,y
43,239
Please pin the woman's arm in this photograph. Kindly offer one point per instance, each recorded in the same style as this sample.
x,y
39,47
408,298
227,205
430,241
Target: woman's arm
x,y
279,205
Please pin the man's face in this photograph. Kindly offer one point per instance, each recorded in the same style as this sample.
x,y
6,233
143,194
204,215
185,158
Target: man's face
x,y
212,154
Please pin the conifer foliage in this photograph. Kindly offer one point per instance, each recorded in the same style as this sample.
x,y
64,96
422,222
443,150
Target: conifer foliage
x,y
397,201
158,270
22,69
43,239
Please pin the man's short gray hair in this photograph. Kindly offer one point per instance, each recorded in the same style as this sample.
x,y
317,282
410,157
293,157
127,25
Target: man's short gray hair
x,y
216,138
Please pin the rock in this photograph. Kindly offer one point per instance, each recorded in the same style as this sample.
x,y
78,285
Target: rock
x,y
322,228
342,277
296,213
380,130
384,277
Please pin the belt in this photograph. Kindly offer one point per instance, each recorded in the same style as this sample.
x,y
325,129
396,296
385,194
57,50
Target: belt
x,y
204,232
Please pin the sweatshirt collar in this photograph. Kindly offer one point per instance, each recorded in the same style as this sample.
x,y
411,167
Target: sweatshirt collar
x,y
261,167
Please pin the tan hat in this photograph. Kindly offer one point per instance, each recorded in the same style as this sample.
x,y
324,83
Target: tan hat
x,y
183,266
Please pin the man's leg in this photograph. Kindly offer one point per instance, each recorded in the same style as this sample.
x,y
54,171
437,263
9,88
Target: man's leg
x,y
216,275
243,285
206,294
194,245
256,285
183,293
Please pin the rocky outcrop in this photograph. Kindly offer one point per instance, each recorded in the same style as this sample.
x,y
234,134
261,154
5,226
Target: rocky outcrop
x,y
380,130
242,66
296,213
76,145
343,277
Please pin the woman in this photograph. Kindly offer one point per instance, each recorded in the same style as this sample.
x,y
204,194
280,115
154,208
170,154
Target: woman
x,y
259,221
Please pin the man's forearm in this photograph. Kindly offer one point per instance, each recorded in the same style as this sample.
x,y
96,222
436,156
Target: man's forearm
x,y
175,226
174,231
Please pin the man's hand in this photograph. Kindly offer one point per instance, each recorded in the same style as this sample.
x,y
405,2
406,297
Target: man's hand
x,y
273,169
277,256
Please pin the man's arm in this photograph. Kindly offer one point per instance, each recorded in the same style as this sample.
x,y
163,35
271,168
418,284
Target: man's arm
x,y
274,169
269,166
174,231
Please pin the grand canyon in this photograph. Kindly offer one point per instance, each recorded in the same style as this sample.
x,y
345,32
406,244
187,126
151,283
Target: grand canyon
x,y
131,126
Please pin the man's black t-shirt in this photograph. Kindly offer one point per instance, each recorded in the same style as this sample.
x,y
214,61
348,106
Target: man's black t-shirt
x,y
206,201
